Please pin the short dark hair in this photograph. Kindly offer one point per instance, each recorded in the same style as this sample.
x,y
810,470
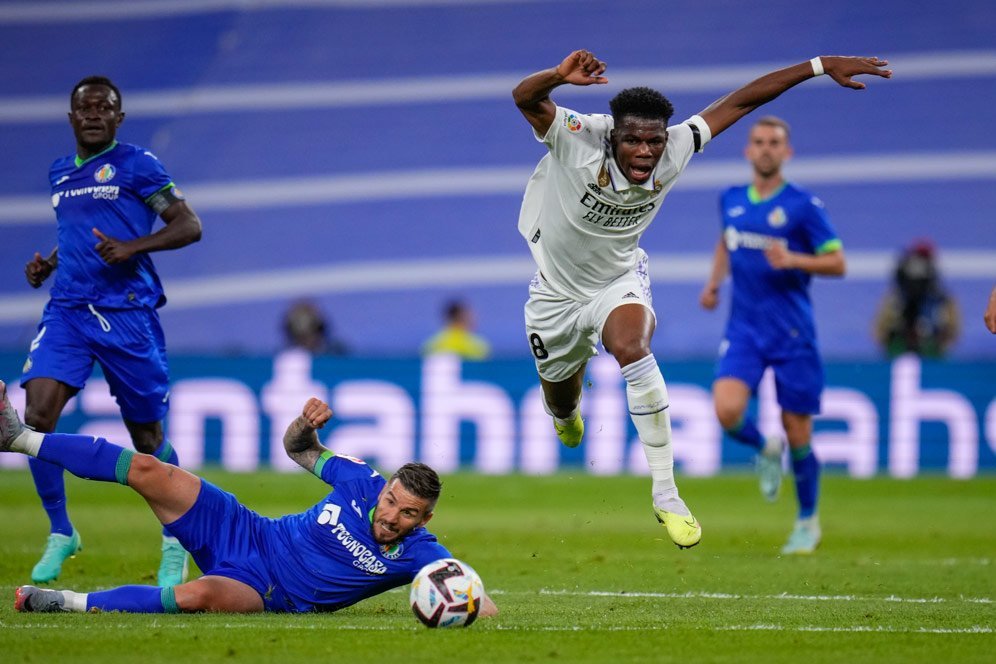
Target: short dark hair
x,y
642,103
95,80
420,480
454,309
774,121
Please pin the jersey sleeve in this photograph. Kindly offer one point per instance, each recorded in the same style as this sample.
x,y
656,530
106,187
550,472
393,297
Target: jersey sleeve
x,y
822,236
429,552
334,469
149,175
677,153
575,139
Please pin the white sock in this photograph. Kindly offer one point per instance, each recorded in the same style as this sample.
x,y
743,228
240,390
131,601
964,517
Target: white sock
x,y
27,442
567,420
648,402
74,601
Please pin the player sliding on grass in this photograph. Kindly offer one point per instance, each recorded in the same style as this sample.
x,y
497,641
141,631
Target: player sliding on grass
x,y
584,210
364,538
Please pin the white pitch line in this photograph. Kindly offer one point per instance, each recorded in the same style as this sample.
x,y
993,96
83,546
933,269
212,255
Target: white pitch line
x,y
332,626
975,629
129,10
321,94
780,596
709,175
420,274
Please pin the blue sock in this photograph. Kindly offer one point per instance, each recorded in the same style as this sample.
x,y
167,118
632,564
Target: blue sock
x,y
746,432
134,599
167,454
807,480
87,457
52,490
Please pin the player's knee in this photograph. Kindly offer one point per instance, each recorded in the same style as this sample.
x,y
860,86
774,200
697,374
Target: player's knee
x,y
628,353
728,414
194,597
143,470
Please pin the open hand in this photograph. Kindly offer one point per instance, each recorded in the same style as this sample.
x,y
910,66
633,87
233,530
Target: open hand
x,y
843,68
582,68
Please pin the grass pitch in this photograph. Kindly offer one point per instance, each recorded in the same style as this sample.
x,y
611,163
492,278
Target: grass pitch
x,y
580,571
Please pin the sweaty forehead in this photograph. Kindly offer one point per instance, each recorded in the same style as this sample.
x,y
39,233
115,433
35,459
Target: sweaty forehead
x,y
404,497
632,124
95,92
765,132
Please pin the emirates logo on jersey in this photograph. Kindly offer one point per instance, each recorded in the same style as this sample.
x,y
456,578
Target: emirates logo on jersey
x,y
104,174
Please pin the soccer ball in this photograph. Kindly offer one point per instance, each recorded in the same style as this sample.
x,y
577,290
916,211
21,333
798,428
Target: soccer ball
x,y
447,593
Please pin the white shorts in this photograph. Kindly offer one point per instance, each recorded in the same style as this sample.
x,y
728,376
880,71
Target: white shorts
x,y
562,332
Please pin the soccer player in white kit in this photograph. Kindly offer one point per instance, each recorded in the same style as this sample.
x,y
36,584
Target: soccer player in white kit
x,y
585,207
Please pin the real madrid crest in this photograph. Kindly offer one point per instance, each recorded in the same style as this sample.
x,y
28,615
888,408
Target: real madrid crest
x,y
603,176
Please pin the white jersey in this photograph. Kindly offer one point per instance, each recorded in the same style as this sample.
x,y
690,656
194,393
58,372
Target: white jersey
x,y
580,215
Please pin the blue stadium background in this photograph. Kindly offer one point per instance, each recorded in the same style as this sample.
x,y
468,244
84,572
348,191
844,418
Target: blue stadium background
x,y
368,154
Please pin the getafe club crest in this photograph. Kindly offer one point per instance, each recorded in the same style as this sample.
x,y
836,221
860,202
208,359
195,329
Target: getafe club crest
x,y
104,174
777,217
392,551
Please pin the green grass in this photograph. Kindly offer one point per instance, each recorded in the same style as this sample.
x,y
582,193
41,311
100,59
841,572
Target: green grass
x,y
580,571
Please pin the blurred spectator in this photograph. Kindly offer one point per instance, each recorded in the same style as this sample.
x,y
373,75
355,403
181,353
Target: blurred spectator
x,y
457,336
305,326
990,315
917,315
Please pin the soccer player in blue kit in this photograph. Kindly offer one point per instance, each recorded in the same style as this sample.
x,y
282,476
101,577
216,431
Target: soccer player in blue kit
x,y
103,302
775,236
365,537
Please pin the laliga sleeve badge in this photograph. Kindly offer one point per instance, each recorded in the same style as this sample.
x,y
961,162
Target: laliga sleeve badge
x,y
572,122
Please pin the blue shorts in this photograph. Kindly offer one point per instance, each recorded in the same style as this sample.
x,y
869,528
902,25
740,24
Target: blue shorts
x,y
798,375
226,538
128,343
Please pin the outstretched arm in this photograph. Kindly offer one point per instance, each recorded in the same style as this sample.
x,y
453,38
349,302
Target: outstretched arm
x,y
532,94
724,112
183,227
300,440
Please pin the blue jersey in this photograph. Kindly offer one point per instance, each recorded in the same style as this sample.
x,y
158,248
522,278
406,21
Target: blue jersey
x,y
326,558
109,192
772,307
